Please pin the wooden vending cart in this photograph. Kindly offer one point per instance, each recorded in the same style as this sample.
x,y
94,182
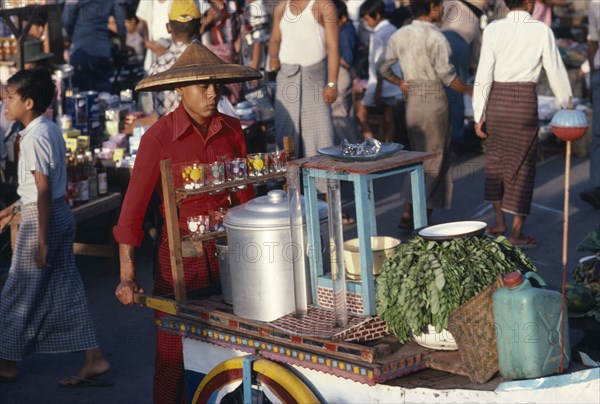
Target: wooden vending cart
x,y
307,360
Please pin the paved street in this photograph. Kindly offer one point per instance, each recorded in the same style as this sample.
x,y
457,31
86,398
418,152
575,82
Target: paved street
x,y
127,336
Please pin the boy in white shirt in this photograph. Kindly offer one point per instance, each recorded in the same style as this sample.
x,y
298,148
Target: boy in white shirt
x,y
43,280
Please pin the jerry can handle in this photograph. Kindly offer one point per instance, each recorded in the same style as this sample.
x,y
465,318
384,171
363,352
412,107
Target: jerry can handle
x,y
535,276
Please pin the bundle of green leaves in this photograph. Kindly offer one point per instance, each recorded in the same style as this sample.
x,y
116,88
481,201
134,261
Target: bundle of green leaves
x,y
587,272
425,281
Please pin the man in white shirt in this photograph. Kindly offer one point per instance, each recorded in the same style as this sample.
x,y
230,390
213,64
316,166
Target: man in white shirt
x,y
592,195
155,16
513,52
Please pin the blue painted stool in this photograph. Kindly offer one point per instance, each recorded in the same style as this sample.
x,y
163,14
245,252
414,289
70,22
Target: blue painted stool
x,y
362,174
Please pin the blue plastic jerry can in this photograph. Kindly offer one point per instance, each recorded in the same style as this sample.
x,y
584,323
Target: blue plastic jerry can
x,y
529,328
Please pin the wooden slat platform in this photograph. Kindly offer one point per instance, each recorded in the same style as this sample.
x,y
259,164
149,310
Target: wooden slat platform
x,y
213,312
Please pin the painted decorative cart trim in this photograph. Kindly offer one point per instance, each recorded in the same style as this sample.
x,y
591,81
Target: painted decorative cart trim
x,y
370,374
212,312
577,387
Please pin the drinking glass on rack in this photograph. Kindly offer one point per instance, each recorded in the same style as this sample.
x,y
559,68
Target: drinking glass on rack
x,y
237,169
258,164
277,161
216,174
193,175
198,225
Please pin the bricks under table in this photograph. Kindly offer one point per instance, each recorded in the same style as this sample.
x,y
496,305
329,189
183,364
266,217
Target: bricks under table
x,y
110,204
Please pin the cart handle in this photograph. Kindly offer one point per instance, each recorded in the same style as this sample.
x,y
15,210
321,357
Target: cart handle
x,y
157,303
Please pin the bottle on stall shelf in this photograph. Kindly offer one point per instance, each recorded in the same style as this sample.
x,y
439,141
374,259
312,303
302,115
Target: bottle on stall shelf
x,y
92,175
83,181
102,177
71,194
3,51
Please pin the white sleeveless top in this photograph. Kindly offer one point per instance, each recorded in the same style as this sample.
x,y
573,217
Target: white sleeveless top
x,y
302,37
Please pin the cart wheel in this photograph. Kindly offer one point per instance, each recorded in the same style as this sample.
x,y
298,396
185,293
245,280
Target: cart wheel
x,y
272,383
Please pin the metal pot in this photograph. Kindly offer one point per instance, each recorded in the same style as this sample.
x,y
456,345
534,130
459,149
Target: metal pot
x,y
260,254
224,270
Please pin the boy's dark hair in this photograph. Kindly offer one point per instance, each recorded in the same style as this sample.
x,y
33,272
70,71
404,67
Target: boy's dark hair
x,y
512,4
130,13
423,7
34,84
342,9
190,28
39,19
372,8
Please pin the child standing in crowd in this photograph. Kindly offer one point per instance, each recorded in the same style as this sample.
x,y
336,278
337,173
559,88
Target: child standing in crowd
x,y
135,34
43,281
424,54
379,92
513,52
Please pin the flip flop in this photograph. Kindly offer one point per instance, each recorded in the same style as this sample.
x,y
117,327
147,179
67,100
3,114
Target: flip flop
x,y
528,244
493,231
86,382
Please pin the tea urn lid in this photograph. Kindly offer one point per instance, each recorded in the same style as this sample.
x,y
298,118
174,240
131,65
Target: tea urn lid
x,y
269,211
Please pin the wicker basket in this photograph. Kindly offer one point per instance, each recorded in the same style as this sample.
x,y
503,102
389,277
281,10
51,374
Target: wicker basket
x,y
472,326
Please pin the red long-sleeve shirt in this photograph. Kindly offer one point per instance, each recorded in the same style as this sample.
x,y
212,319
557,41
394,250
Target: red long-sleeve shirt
x,y
174,137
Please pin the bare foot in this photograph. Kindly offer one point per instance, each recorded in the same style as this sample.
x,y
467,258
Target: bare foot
x,y
496,230
8,370
406,222
523,242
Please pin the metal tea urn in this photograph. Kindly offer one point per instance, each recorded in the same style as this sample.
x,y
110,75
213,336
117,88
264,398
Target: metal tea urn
x,y
260,254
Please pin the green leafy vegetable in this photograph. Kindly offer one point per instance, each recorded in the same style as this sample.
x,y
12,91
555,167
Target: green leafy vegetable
x,y
591,242
425,281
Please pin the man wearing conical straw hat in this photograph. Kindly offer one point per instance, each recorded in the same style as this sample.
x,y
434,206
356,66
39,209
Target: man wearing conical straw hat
x,y
194,133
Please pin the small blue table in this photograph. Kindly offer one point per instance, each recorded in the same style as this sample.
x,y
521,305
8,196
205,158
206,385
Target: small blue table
x,y
362,174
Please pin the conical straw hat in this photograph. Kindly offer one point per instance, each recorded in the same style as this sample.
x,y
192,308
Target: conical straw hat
x,y
197,64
